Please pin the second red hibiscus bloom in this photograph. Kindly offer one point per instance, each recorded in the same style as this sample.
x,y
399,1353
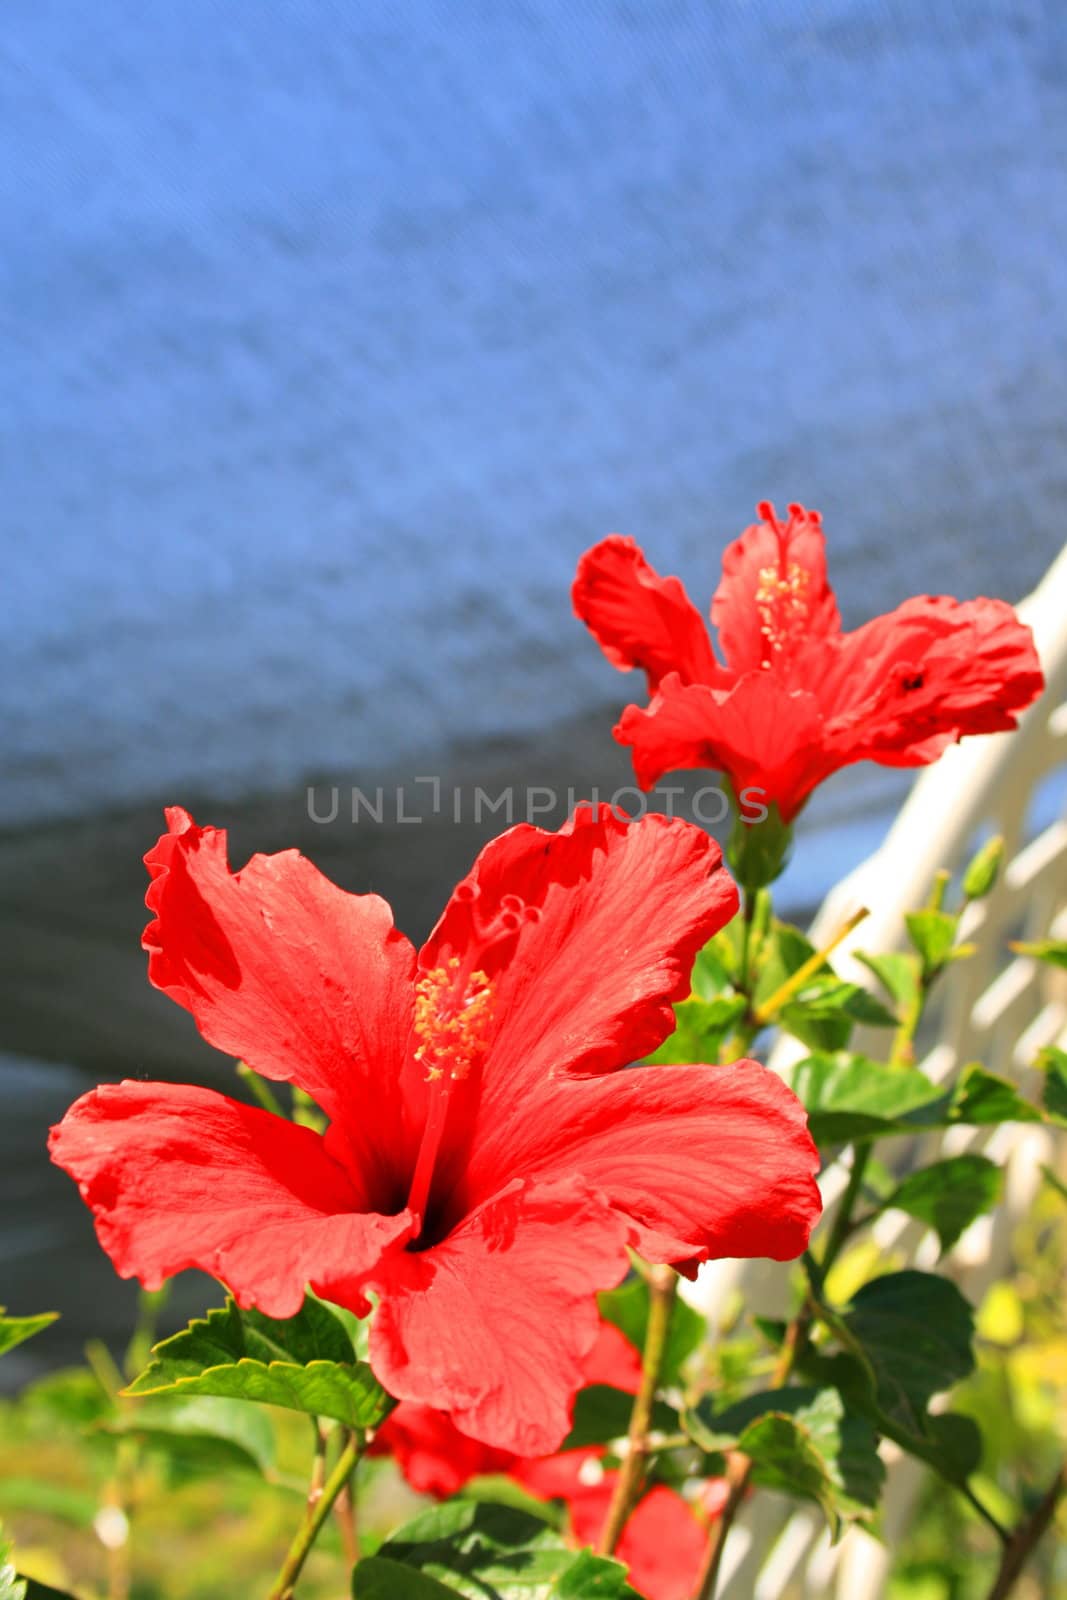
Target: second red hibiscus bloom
x,y
795,697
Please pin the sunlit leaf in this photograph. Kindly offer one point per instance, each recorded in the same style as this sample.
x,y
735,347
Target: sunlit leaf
x,y
202,1432
246,1356
701,1026
949,1194
933,934
491,1552
13,1330
850,1473
897,972
981,1098
1053,1063
852,1097
1052,951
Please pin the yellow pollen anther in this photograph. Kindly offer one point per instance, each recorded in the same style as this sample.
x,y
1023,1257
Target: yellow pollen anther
x,y
452,1017
781,602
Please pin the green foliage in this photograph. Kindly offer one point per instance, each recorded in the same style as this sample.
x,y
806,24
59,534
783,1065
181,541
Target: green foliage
x,y
1053,1063
949,1194
487,1552
907,1337
602,1414
898,973
852,1097
627,1308
305,1363
801,1441
933,935
12,1587
981,1098
823,1013
1052,951
701,1026
13,1330
202,1434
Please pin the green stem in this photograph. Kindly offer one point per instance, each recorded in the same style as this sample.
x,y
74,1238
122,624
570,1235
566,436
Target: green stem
x,y
1020,1545
842,1227
317,1514
984,1512
748,913
662,1292
739,1466
259,1089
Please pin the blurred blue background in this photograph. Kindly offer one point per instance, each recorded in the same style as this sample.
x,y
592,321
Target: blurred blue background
x,y
333,334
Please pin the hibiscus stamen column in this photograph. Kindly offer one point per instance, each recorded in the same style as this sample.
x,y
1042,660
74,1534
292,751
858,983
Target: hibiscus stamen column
x,y
453,1016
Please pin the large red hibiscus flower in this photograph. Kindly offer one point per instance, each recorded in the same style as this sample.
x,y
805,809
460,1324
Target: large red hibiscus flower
x,y
796,698
485,1167
664,1541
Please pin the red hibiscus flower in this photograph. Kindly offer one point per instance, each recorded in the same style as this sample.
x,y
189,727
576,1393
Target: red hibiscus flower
x,y
797,698
664,1540
485,1167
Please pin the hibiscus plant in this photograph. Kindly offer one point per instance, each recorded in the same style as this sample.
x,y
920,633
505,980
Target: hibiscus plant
x,y
455,1196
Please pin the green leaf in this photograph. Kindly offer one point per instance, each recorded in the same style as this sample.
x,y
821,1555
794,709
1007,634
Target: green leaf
x,y
246,1356
627,1308
73,1397
202,1432
713,969
494,1552
948,1194
784,951
983,869
1053,951
933,934
700,1028
851,1473
981,1098
824,1012
602,1414
1053,1063
13,1330
378,1579
851,1097
76,1506
915,1331
12,1587
898,973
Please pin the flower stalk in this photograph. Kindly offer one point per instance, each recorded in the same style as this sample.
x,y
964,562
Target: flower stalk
x,y
662,1292
318,1510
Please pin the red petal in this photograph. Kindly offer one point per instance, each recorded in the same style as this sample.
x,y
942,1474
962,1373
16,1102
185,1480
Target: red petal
x,y
766,738
663,1545
774,599
707,1161
494,1324
624,909
430,1451
305,982
182,1177
614,1361
907,684
639,618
